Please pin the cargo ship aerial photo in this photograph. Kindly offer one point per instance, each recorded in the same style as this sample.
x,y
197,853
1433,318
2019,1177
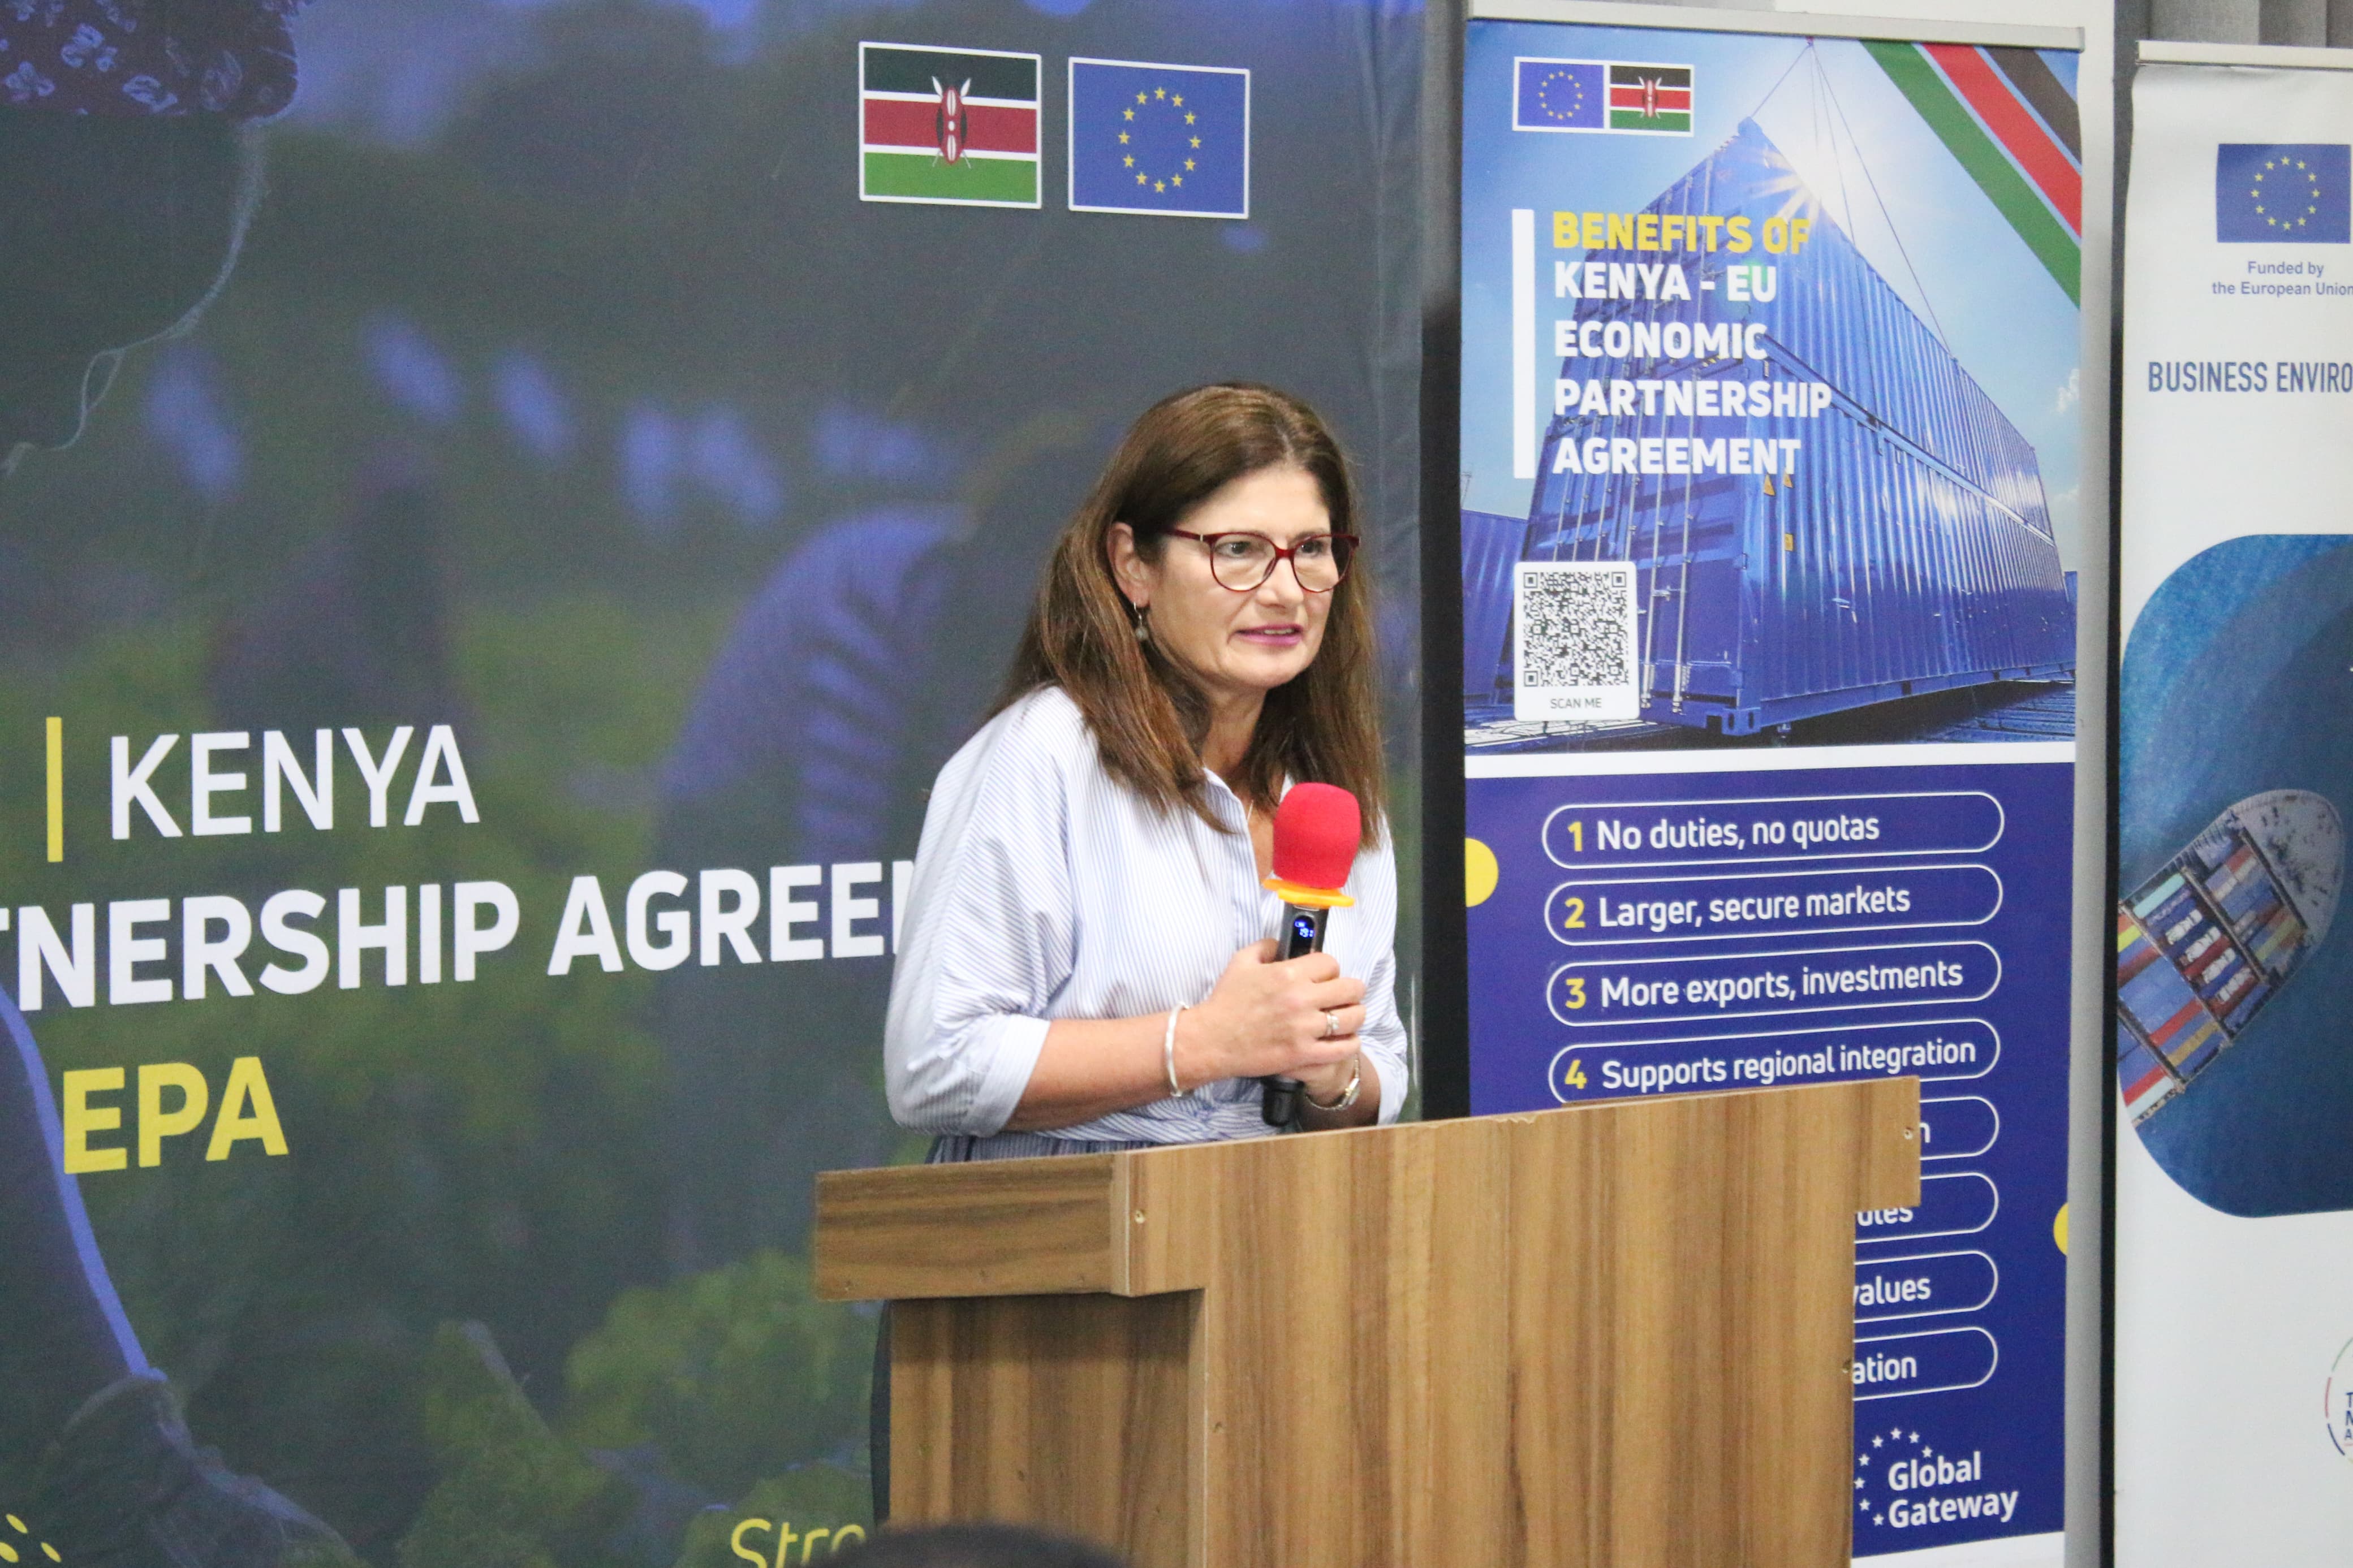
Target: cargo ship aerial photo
x,y
2232,1031
2210,940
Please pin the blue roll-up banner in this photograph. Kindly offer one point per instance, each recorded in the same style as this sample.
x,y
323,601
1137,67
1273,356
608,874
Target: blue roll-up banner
x,y
1771,455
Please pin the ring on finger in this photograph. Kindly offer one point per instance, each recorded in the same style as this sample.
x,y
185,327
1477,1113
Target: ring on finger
x,y
1331,1023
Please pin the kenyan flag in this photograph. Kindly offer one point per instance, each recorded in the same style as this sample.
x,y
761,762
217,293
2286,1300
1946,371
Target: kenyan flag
x,y
955,127
1650,98
2012,125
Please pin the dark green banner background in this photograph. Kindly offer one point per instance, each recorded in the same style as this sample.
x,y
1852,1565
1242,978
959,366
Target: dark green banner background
x,y
567,410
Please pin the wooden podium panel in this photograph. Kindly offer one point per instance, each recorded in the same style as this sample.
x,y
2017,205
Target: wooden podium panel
x,y
1616,1333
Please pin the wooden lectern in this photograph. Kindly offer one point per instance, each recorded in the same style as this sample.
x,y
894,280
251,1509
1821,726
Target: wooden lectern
x,y
1610,1336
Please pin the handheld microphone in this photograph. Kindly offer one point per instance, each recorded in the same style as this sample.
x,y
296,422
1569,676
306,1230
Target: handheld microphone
x,y
1316,829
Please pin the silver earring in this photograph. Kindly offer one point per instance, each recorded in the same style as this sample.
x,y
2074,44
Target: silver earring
x,y
1144,623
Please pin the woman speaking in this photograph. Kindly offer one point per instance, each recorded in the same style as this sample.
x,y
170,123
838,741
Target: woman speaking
x,y
1086,964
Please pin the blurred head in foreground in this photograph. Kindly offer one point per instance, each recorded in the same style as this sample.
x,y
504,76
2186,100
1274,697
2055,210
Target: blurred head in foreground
x,y
128,175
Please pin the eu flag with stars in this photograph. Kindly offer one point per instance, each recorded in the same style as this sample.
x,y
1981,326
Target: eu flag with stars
x,y
2290,193
1559,95
1172,140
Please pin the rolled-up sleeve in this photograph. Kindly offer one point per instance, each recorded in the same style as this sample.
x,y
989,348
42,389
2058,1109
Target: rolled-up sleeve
x,y
988,938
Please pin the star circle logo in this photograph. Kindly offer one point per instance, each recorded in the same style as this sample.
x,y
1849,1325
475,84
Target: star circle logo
x,y
2286,193
1177,139
1560,95
1907,1447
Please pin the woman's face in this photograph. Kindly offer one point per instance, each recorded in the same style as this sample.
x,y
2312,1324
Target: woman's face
x,y
1237,645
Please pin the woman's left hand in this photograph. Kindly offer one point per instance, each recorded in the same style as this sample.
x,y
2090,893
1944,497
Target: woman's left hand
x,y
1329,1083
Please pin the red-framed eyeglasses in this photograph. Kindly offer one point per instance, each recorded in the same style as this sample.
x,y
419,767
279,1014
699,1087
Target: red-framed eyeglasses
x,y
1241,562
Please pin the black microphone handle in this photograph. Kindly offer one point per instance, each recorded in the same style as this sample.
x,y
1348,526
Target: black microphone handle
x,y
1302,934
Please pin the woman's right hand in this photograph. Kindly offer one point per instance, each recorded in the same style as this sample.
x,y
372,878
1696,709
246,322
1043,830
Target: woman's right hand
x,y
1266,1019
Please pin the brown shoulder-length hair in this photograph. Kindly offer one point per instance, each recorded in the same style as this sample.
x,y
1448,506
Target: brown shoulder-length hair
x,y
1147,715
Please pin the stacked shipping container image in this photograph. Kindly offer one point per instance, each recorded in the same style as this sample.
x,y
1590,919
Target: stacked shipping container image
x,y
1905,549
2206,942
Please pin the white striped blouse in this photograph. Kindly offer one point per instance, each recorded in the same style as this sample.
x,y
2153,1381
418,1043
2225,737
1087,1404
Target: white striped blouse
x,y
1045,889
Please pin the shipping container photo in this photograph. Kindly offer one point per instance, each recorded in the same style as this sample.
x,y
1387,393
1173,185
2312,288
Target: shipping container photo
x,y
2207,941
1828,512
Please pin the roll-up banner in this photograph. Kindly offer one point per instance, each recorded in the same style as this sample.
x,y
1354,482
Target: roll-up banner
x,y
1771,465
2234,1281
504,509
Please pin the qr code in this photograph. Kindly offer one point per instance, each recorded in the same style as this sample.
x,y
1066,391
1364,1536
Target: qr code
x,y
1576,627
1575,646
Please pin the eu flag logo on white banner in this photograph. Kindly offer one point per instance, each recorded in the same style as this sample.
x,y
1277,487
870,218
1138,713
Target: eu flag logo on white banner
x,y
1170,139
2291,193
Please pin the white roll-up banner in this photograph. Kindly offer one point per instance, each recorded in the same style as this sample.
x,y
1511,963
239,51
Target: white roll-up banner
x,y
2234,1286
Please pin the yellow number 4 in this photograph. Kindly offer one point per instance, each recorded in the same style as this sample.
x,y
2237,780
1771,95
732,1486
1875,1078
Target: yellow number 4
x,y
1575,1076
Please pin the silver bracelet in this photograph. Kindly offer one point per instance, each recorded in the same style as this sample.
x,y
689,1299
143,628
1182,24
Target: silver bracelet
x,y
1347,1096
1169,1054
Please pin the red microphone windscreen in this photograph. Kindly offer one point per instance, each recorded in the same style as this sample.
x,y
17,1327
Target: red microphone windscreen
x,y
1315,832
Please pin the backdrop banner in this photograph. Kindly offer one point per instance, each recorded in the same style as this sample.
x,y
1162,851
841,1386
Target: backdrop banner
x,y
1771,438
507,506
2233,1293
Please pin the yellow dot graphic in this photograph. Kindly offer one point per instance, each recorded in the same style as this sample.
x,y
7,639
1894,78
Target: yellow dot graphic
x,y
1480,872
2059,1228
9,1555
